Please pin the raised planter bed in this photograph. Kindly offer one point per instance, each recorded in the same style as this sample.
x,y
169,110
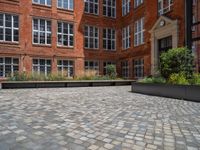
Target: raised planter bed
x,y
54,84
187,92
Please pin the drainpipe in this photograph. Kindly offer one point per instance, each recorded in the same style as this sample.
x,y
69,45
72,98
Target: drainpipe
x,y
188,23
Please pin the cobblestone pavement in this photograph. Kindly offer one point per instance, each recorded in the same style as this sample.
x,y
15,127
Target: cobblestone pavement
x,y
96,118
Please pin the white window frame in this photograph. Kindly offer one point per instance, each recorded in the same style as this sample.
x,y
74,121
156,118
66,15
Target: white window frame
x,y
125,69
62,66
89,3
38,65
139,32
138,66
163,9
93,67
65,34
12,28
106,39
125,7
39,2
12,66
106,7
126,37
68,4
91,37
138,3
39,31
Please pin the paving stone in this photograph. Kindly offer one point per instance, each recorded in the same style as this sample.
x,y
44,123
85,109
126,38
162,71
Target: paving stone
x,y
97,118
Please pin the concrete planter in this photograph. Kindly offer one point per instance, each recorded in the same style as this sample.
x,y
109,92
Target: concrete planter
x,y
54,84
187,92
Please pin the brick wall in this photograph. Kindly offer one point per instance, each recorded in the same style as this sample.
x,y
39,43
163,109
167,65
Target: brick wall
x,y
25,50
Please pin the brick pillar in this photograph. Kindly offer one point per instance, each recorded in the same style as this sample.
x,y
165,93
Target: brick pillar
x,y
79,67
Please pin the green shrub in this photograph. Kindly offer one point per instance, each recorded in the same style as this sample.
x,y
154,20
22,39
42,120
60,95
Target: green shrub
x,y
111,71
153,80
178,78
177,60
195,79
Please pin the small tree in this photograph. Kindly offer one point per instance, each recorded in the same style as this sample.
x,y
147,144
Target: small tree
x,y
111,71
175,61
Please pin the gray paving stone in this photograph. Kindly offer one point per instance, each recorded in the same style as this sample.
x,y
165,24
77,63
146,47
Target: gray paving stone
x,y
96,118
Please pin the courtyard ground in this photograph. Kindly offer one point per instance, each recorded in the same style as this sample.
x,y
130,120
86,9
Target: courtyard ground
x,y
96,118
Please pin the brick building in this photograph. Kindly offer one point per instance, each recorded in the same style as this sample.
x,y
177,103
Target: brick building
x,y
75,35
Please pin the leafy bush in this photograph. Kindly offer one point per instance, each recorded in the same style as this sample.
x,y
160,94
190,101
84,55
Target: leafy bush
x,y
195,79
178,78
111,71
153,80
176,60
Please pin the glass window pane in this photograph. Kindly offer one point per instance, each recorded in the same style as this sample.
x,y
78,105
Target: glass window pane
x,y
1,71
8,20
16,35
8,35
1,19
1,34
16,21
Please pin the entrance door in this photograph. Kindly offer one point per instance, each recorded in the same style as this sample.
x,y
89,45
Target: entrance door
x,y
164,44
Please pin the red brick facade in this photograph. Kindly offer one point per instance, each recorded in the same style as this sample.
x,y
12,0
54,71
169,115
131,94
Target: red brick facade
x,y
25,50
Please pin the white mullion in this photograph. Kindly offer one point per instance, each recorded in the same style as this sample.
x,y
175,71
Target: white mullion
x,y
45,32
12,70
62,67
62,36
107,38
88,36
107,7
94,37
97,38
38,66
68,35
12,31
4,33
38,31
4,70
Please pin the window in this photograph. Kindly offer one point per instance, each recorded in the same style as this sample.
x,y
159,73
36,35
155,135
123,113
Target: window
x,y
138,68
91,37
9,28
105,64
92,65
41,31
126,37
109,39
92,6
125,69
125,7
65,35
138,3
66,4
164,6
42,66
139,32
66,67
8,66
42,2
109,8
